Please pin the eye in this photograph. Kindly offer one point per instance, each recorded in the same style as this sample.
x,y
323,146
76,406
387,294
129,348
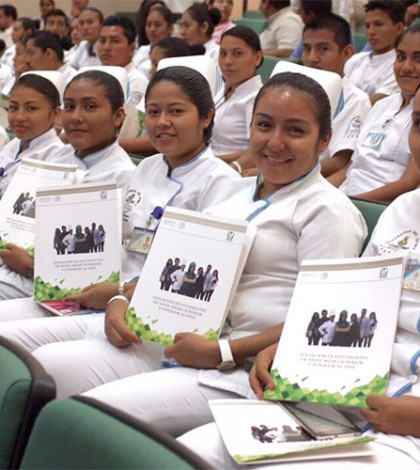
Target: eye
x,y
262,124
295,131
152,112
400,57
68,107
12,108
176,111
237,54
90,106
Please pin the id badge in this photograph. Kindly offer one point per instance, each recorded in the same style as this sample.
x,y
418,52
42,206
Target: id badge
x,y
374,140
412,272
141,240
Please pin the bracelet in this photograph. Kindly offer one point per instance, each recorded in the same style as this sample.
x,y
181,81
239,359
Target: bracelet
x,y
118,297
237,165
121,288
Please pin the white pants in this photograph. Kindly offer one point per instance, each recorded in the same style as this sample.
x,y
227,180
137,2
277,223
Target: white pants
x,y
21,309
207,443
7,291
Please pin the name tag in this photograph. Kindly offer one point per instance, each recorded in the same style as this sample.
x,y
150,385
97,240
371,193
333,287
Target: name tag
x,y
374,140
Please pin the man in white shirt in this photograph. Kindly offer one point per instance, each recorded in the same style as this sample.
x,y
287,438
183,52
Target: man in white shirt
x,y
116,46
8,15
90,22
284,28
327,331
373,71
327,46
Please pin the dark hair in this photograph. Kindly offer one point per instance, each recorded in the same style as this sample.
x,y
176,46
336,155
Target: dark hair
x,y
392,8
112,87
9,10
57,12
335,24
41,85
2,46
95,10
177,47
27,24
279,4
48,40
164,11
201,14
194,85
144,8
413,29
25,38
125,24
247,35
317,7
306,86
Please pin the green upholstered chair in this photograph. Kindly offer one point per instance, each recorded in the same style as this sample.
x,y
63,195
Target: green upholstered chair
x,y
254,14
136,159
360,41
266,68
83,433
24,389
258,25
371,212
128,14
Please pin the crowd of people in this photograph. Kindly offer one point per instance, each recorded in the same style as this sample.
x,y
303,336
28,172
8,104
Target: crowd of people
x,y
86,89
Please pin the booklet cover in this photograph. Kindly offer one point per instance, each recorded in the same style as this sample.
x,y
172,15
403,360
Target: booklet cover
x,y
256,432
78,239
337,340
17,206
190,275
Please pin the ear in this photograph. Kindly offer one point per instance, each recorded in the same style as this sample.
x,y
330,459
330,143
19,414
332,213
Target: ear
x,y
347,52
258,58
207,120
132,48
400,27
204,27
323,143
118,118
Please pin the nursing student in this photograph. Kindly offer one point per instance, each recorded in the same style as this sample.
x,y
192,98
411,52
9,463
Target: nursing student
x,y
159,25
92,114
239,58
395,418
185,174
34,107
197,26
381,167
291,205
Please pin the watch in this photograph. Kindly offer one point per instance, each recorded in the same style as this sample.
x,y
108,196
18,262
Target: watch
x,y
227,357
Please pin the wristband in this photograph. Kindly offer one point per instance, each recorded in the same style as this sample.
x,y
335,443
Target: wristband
x,y
121,288
118,297
238,166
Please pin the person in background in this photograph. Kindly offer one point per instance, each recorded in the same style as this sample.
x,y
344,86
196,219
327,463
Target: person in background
x,y
77,6
75,38
116,48
45,52
381,167
142,13
225,7
197,26
284,28
372,71
57,22
8,15
45,6
159,25
21,27
90,22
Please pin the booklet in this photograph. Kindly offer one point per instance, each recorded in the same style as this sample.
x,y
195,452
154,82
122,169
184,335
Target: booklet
x,y
337,340
256,432
190,275
78,239
17,206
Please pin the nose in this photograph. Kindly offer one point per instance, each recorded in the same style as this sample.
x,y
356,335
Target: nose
x,y
20,115
163,119
77,114
276,140
312,56
408,65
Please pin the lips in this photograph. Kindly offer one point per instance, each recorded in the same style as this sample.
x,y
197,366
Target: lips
x,y
278,161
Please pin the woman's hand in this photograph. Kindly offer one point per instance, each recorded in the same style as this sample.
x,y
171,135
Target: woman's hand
x,y
260,377
394,415
191,350
95,296
17,259
116,329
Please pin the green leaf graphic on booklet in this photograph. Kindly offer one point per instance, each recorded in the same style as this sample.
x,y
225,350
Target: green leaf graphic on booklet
x,y
144,330
286,390
30,249
47,291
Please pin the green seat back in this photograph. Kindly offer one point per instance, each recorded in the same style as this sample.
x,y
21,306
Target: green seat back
x,y
254,14
136,159
360,41
82,433
24,389
265,69
257,25
128,14
371,212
